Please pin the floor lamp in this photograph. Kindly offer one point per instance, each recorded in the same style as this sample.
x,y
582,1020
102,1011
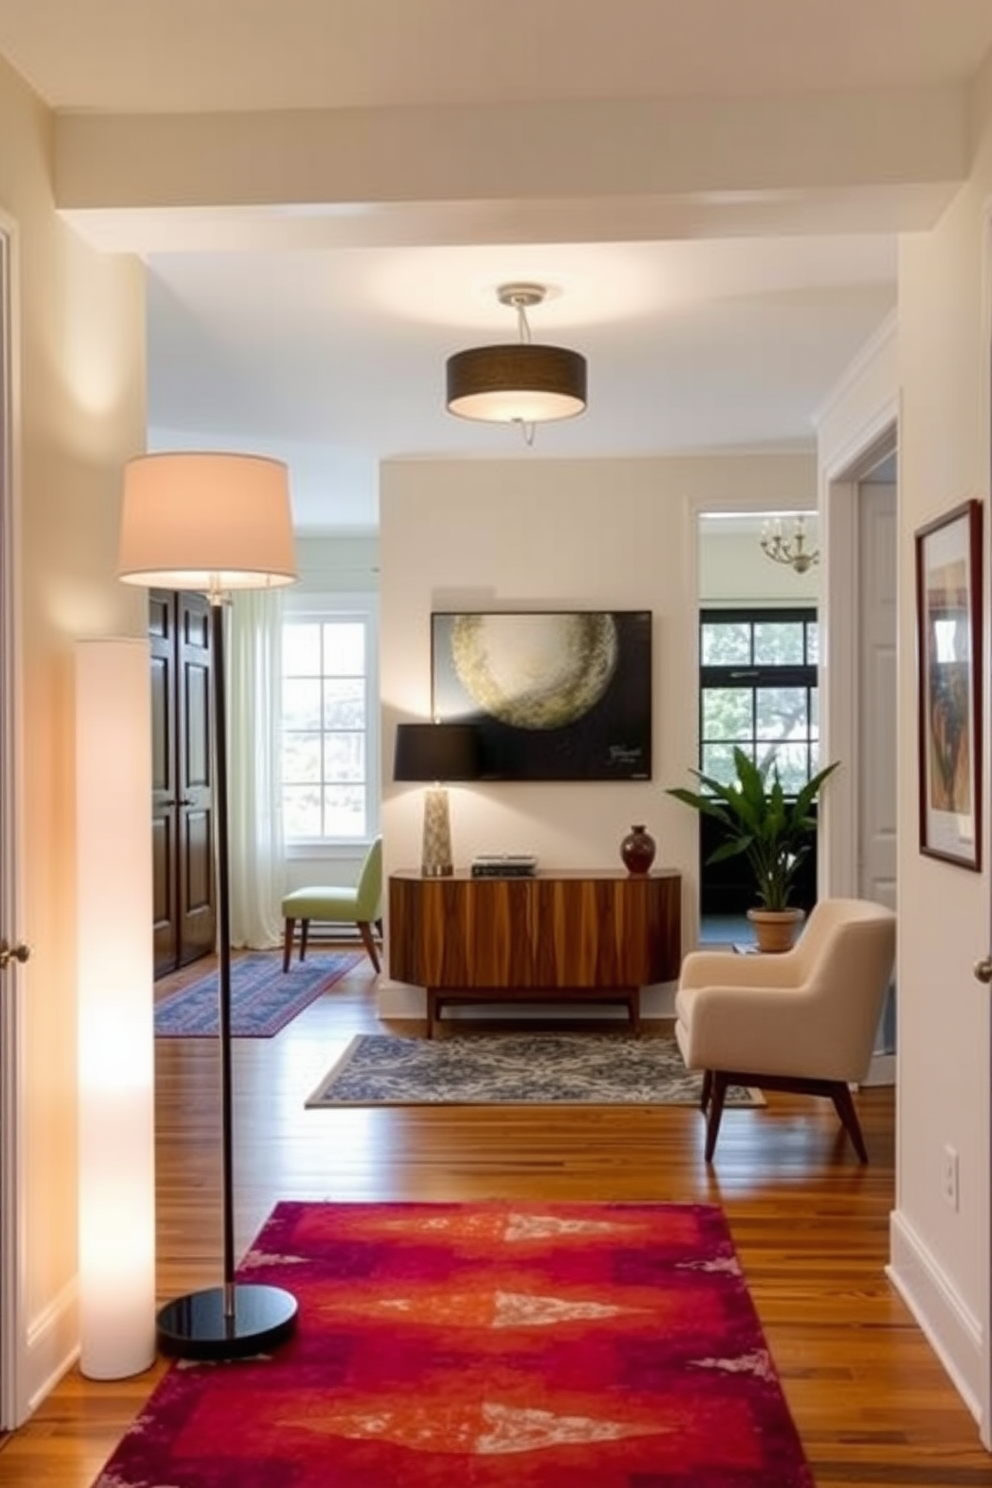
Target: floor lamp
x,y
214,522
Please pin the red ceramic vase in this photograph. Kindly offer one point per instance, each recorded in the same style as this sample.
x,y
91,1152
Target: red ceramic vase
x,y
637,850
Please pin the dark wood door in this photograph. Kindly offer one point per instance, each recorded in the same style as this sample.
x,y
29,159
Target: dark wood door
x,y
185,917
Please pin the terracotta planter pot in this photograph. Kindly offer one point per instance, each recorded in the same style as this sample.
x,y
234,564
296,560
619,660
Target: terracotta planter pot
x,y
775,929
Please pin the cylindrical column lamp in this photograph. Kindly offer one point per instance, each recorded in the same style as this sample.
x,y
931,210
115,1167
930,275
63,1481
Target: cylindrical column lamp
x,y
116,1031
436,752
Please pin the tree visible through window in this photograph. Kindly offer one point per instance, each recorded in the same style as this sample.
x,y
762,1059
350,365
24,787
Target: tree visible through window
x,y
758,691
326,688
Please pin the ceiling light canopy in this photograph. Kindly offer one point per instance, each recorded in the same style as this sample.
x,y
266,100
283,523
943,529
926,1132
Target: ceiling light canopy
x,y
523,383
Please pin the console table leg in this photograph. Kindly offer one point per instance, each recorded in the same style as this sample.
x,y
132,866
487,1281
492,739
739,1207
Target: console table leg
x,y
634,1007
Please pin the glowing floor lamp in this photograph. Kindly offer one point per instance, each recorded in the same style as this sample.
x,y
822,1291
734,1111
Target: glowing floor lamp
x,y
214,522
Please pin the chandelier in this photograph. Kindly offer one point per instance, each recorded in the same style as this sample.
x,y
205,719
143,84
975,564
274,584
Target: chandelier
x,y
520,383
793,551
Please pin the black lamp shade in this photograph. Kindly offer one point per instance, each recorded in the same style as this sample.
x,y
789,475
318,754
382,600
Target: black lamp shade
x,y
436,751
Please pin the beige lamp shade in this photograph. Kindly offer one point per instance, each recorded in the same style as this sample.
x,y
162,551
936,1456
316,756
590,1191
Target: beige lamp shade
x,y
206,521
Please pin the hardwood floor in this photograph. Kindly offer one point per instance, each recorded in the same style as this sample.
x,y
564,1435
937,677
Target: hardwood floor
x,y
873,1405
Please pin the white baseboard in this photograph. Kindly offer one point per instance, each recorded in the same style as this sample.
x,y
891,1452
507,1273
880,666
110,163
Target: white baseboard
x,y
399,1000
52,1349
881,1071
951,1329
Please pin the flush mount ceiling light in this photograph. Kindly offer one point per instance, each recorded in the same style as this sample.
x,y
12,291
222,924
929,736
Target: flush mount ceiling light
x,y
517,384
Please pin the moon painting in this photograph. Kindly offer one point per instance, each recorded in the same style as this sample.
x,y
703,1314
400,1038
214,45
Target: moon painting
x,y
555,695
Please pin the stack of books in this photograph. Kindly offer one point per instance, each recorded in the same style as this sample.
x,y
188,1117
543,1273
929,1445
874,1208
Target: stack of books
x,y
504,865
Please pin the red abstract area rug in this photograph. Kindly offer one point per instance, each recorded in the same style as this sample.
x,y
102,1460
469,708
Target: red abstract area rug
x,y
264,998
484,1346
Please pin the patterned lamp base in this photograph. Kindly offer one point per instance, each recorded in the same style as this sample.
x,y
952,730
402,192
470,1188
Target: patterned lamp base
x,y
436,851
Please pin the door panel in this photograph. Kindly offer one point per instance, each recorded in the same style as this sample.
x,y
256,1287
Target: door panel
x,y
197,911
185,916
877,702
161,630
877,714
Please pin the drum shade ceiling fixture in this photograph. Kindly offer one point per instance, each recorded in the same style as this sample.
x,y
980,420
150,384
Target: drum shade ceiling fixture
x,y
519,383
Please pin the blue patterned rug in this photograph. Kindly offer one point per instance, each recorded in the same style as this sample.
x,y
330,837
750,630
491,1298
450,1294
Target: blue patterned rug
x,y
515,1069
264,998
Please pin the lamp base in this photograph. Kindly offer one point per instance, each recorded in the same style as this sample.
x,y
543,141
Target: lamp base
x,y
197,1327
435,855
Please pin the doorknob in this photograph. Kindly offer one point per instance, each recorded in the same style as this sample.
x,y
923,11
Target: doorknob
x,y
19,952
982,970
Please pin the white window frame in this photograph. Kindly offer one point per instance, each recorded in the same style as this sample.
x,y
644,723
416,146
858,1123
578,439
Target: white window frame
x,y
310,605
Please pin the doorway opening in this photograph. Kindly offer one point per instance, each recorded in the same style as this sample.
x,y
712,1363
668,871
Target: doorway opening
x,y
758,689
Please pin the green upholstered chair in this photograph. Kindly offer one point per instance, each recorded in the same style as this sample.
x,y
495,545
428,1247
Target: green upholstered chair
x,y
338,904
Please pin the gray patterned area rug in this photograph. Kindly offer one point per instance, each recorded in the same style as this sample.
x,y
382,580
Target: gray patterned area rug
x,y
514,1069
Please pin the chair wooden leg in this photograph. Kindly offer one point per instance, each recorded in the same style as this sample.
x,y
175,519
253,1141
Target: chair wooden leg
x,y
365,931
287,943
844,1105
304,932
707,1090
717,1096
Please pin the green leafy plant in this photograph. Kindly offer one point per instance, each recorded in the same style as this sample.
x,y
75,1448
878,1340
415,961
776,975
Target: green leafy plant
x,y
770,829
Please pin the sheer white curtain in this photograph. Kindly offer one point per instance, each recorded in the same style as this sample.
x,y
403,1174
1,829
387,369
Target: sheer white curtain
x,y
255,826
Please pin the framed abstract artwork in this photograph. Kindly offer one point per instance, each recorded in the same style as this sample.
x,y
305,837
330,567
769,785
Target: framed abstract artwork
x,y
949,677
553,694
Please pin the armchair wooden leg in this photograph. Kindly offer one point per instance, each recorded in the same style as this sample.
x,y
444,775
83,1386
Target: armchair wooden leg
x,y
365,931
304,932
717,1096
707,1090
287,943
844,1106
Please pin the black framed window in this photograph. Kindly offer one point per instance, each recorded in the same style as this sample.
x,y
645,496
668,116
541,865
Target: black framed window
x,y
758,691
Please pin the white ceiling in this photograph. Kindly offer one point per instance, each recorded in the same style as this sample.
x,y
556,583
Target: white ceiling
x,y
333,356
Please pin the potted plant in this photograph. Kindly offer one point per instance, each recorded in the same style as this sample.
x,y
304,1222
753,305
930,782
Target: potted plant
x,y
773,832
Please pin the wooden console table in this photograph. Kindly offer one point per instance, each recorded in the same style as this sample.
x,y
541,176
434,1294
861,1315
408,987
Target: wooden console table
x,y
557,937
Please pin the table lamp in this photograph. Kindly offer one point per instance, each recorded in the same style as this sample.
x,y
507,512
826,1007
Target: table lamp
x,y
438,752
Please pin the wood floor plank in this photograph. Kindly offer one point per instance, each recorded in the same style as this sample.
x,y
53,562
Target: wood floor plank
x,y
811,1226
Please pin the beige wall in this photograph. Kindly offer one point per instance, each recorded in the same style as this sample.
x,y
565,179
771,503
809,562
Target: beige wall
x,y
733,570
79,371
617,534
933,372
944,349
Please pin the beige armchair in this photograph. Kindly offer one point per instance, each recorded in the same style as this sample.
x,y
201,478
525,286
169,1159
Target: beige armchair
x,y
804,1020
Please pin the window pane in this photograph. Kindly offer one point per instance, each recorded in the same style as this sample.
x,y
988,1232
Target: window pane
x,y
725,643
300,704
344,812
778,643
344,757
301,650
344,648
814,713
793,766
344,703
326,723
718,761
300,759
301,811
727,713
781,712
812,643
